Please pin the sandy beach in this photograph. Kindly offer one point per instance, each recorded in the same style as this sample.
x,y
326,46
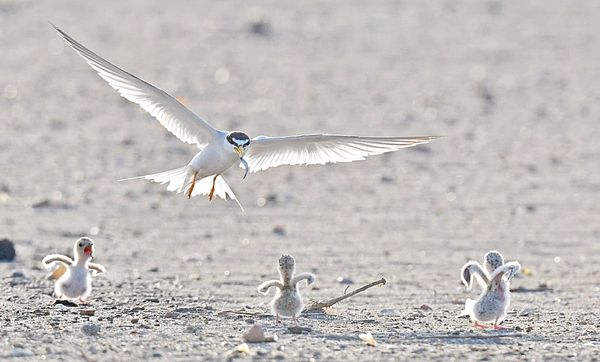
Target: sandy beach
x,y
511,85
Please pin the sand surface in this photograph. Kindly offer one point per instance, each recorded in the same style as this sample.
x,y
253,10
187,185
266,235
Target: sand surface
x,y
512,84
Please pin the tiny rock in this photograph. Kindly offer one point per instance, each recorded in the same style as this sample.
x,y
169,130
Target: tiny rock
x,y
91,329
425,307
21,352
87,312
7,250
255,334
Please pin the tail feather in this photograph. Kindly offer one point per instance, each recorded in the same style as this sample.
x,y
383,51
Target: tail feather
x,y
180,179
222,190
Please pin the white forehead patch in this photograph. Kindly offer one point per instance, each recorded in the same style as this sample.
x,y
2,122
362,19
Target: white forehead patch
x,y
239,142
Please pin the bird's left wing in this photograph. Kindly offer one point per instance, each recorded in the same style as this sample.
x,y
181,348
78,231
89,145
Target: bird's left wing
x,y
318,149
174,116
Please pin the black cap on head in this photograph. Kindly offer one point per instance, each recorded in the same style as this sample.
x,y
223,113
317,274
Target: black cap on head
x,y
238,139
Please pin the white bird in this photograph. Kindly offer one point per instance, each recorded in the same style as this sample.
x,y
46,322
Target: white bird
x,y
76,282
287,301
494,300
219,150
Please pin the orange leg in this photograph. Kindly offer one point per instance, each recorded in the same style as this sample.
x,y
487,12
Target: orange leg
x,y
479,325
212,190
189,191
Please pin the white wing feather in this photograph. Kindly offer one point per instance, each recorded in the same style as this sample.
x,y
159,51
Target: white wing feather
x,y
174,116
318,149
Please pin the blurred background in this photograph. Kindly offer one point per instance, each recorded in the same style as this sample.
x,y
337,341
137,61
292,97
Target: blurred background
x,y
511,84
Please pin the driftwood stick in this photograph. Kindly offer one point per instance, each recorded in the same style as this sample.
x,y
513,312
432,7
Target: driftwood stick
x,y
320,305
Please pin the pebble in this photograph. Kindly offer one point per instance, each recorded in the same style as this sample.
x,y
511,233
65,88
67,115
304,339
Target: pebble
x,y
260,28
7,250
18,274
279,230
389,312
91,329
87,312
21,352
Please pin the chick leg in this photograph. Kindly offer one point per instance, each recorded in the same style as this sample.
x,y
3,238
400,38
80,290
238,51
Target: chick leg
x,y
479,325
212,190
277,320
189,191
497,326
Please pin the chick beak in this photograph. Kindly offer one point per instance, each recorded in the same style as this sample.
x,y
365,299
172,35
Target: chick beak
x,y
88,250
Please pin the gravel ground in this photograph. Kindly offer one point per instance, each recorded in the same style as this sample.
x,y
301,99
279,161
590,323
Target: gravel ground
x,y
511,84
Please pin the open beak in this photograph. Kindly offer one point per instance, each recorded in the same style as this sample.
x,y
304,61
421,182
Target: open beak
x,y
88,250
246,168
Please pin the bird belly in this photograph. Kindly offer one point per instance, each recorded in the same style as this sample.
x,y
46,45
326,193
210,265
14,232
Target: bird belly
x,y
489,308
212,161
74,284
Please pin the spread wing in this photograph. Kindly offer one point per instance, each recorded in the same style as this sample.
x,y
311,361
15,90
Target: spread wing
x,y
319,149
174,116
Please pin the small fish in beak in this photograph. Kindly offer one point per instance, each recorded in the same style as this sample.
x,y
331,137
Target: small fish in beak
x,y
246,168
239,150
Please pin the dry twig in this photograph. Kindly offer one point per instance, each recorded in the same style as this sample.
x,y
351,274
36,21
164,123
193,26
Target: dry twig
x,y
320,305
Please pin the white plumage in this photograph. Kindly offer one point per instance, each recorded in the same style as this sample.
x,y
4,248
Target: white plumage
x,y
494,300
287,301
219,150
76,282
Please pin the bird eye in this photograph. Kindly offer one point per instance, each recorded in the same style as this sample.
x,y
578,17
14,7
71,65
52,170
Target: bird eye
x,y
80,245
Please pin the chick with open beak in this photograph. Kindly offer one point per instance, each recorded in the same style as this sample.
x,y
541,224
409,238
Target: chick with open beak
x,y
76,281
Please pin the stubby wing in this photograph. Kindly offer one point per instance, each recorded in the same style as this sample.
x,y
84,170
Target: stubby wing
x,y
319,149
174,116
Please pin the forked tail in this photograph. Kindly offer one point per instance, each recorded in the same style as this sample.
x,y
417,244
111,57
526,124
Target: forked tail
x,y
180,179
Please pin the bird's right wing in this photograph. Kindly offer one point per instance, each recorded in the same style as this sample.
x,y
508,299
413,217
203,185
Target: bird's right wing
x,y
264,287
174,116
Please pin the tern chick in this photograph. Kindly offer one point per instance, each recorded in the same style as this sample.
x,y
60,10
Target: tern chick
x,y
494,300
76,282
287,301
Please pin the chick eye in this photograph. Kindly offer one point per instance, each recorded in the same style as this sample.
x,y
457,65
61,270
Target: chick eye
x,y
80,245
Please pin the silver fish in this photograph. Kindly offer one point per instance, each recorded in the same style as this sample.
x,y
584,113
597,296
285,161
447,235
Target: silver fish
x,y
246,167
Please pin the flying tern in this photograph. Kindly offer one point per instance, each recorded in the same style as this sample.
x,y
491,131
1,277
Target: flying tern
x,y
220,150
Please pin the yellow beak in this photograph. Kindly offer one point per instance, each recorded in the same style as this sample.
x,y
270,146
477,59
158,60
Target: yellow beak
x,y
239,150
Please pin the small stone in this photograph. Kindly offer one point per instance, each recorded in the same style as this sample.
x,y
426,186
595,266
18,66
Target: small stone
x,y
153,270
260,28
425,307
91,329
279,230
389,312
21,352
87,312
298,329
18,274
255,334
135,320
526,312
7,250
